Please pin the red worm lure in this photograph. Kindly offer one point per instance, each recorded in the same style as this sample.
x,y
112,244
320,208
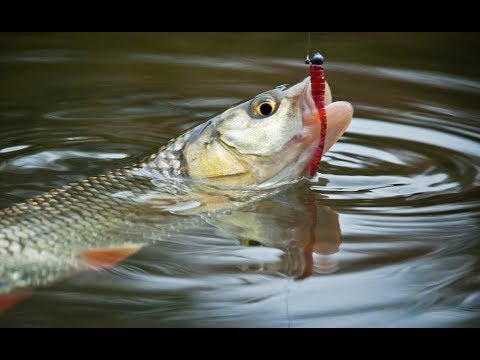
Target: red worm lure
x,y
317,81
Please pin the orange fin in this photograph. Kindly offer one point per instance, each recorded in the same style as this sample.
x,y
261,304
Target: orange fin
x,y
7,301
105,258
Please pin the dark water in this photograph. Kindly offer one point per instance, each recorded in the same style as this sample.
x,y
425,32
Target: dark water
x,y
394,213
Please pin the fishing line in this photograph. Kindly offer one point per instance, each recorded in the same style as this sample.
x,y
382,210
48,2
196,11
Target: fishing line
x,y
289,317
307,58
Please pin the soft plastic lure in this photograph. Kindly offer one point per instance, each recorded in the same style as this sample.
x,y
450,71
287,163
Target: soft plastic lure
x,y
317,81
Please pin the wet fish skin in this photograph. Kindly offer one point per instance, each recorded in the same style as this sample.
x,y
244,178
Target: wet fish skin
x,y
43,238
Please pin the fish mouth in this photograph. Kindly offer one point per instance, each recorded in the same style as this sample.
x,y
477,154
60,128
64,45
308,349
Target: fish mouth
x,y
339,115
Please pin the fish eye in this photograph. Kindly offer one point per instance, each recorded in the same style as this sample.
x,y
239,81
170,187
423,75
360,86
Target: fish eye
x,y
263,106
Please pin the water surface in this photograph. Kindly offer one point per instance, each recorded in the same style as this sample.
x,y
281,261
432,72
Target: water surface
x,y
388,235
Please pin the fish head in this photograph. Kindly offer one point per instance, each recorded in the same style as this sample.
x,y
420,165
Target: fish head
x,y
264,142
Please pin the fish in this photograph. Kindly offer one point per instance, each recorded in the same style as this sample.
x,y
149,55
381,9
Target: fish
x,y
249,152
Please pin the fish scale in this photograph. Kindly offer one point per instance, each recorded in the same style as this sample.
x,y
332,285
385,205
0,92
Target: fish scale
x,y
228,161
50,230
61,210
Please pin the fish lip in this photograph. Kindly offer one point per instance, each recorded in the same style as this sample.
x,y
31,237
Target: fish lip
x,y
308,98
309,111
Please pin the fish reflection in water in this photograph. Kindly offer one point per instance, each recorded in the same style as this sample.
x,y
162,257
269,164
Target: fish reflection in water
x,y
308,233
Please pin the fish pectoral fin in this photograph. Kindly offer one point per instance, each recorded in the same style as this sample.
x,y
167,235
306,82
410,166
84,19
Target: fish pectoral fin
x,y
7,301
105,258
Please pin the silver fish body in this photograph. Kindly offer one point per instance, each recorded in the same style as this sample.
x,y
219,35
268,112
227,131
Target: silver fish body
x,y
241,155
